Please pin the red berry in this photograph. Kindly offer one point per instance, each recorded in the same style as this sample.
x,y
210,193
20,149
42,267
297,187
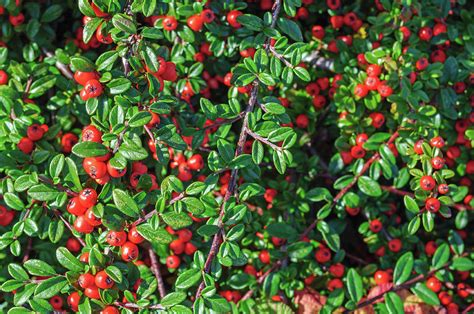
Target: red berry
x,y
318,31
418,147
357,152
116,238
170,23
73,301
264,257
129,251
86,280
437,163
110,310
173,261
195,22
427,183
361,91
425,33
91,218
443,188
189,248
333,4
208,16
337,270
434,284
35,132
3,77
93,89
378,119
382,277
81,225
323,255
114,172
195,162
134,236
375,225
437,142
73,245
373,70
432,204
92,292
395,245
26,145
91,134
88,197
103,281
94,168
83,77
56,302
232,18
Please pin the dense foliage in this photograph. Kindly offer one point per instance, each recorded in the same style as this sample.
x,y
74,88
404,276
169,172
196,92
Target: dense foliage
x,y
225,156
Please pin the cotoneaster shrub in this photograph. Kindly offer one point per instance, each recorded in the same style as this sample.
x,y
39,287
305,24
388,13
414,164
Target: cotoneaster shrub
x,y
223,156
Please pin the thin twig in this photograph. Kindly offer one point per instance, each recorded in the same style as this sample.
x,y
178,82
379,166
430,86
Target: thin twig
x,y
155,268
64,69
263,140
234,175
280,57
68,225
261,279
346,189
58,185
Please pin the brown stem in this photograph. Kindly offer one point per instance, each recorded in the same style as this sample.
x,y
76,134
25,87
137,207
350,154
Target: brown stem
x,y
263,140
58,186
280,57
234,174
155,268
64,69
68,225
346,189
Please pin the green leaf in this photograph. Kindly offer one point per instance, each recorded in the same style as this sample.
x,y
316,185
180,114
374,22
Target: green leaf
x,y
463,264
177,220
125,203
354,285
106,60
302,73
50,287
290,28
82,64
89,149
124,23
37,267
251,22
86,8
56,166
173,298
90,29
13,201
42,192
188,278
425,293
403,268
52,13
139,119
17,272
394,303
73,174
119,86
411,204
67,260
217,304
159,235
369,186
441,256
114,273
148,7
281,230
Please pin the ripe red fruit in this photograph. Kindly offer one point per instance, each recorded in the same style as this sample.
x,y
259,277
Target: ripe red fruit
x,y
195,22
427,183
95,169
264,257
232,18
170,73
361,91
382,277
406,32
86,280
92,292
434,284
208,16
3,77
93,89
437,142
177,246
26,145
378,119
91,134
16,20
357,152
353,211
395,245
333,4
116,238
88,197
195,162
421,64
110,310
83,77
35,132
73,301
56,302
103,281
443,188
184,174
189,248
302,121
373,70
337,22
103,36
432,204
361,139
319,101
337,270
318,32
84,258
375,225
170,23
129,252
185,235
425,33
173,261
372,82
418,147
97,11
134,236
323,255
91,218
334,284
437,163
73,245
114,172
81,225
384,90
